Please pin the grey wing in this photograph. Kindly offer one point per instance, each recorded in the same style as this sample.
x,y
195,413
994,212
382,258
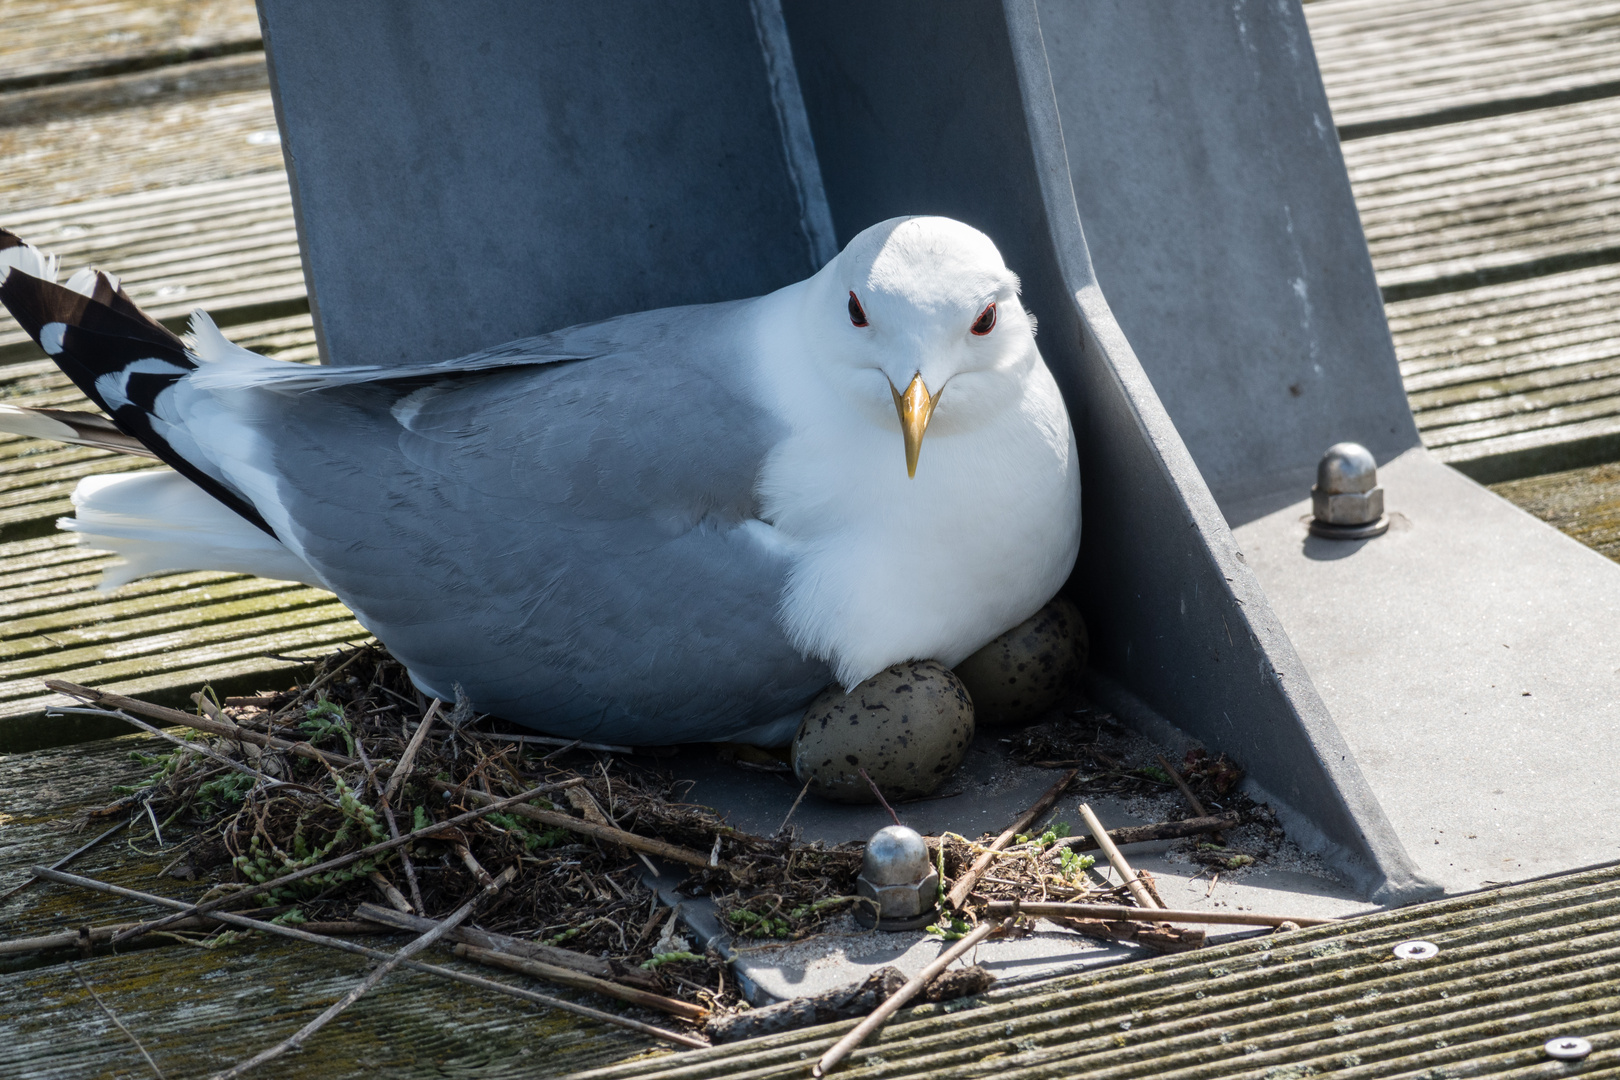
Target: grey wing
x,y
572,543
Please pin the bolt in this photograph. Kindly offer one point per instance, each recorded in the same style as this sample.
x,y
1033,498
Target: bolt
x,y
1347,503
899,880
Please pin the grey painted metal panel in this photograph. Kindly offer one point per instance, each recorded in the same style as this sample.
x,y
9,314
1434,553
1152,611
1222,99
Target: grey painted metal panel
x,y
954,113
475,172
1224,233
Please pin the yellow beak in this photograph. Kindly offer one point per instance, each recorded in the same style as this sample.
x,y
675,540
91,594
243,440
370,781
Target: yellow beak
x,y
916,408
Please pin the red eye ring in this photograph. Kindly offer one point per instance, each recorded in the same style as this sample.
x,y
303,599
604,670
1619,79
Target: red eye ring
x,y
857,314
986,321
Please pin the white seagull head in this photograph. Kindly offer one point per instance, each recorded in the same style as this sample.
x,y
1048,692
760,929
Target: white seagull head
x,y
920,324
915,329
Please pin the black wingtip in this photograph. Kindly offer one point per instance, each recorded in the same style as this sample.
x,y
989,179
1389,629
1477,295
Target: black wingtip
x,y
35,302
106,333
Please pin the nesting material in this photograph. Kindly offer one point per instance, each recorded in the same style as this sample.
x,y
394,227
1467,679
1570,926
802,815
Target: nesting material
x,y
1025,672
908,727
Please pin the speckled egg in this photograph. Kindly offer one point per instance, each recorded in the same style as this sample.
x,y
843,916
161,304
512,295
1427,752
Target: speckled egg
x,y
908,726
1027,670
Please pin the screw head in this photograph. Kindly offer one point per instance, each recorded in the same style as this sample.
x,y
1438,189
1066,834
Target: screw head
x,y
1417,950
1567,1048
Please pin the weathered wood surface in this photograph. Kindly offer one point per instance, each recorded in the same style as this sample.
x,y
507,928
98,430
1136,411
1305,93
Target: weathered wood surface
x,y
198,1010
1387,61
1521,377
49,40
1585,503
203,121
1476,198
228,246
1479,197
1491,206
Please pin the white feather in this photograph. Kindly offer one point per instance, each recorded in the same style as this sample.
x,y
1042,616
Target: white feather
x,y
30,260
84,280
160,522
888,567
27,422
210,346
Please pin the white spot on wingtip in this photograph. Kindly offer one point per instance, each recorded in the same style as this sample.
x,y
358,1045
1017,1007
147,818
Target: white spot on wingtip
x,y
114,386
50,337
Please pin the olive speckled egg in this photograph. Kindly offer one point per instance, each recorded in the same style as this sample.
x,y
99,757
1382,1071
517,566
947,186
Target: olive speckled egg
x,y
908,726
1027,670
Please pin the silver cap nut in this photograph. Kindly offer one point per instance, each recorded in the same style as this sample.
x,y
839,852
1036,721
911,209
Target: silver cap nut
x,y
896,873
1348,508
1347,468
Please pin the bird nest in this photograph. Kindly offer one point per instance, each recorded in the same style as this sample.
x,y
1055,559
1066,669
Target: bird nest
x,y
276,812
355,758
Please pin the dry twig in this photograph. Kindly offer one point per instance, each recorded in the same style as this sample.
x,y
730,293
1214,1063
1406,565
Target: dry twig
x,y
296,1040
245,923
964,884
862,1031
1132,882
1002,909
580,981
1139,834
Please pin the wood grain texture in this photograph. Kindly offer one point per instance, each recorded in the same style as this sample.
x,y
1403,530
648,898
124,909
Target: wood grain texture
x,y
200,1010
1385,59
1527,370
202,121
1585,503
228,246
1479,196
46,38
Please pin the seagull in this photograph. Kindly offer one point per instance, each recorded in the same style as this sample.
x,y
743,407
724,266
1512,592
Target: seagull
x,y
672,526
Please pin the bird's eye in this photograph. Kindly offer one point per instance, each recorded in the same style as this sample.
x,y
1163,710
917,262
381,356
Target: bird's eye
x,y
986,321
857,314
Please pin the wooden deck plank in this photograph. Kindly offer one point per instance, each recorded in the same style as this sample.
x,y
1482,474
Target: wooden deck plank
x,y
1585,503
1508,191
229,246
47,39
1383,60
180,125
1497,330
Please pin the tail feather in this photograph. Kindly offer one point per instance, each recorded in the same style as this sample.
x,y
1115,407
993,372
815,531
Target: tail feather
x,y
78,428
121,358
160,523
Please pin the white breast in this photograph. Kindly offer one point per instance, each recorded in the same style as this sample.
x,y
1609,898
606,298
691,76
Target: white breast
x,y
888,568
